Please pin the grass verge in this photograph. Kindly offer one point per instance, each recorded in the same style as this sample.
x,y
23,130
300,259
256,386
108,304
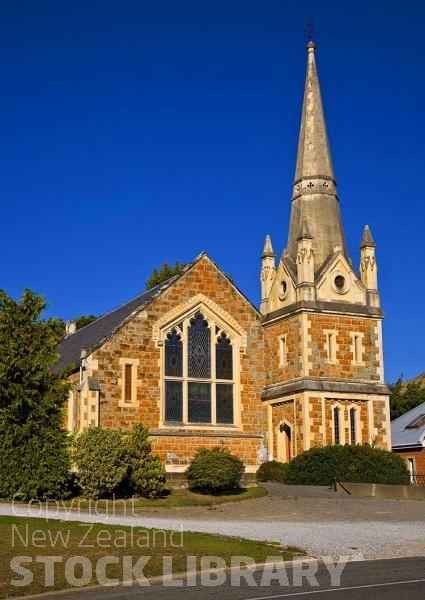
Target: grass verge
x,y
40,537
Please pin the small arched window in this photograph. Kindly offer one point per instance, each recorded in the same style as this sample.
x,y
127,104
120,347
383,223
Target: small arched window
x,y
337,425
353,426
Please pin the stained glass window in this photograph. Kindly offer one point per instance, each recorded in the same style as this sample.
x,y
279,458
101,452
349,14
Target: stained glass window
x,y
199,385
224,358
199,408
173,355
199,348
174,401
224,403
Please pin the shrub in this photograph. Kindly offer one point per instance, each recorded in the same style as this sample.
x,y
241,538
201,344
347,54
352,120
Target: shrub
x,y
357,464
272,470
102,461
147,473
214,470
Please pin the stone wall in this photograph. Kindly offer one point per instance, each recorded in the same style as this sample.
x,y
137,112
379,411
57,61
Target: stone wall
x,y
343,367
135,343
291,368
185,446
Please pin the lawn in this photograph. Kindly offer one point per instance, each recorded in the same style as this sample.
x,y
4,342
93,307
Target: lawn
x,y
176,498
44,538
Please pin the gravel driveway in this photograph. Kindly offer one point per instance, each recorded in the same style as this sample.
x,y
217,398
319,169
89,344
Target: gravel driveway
x,y
315,519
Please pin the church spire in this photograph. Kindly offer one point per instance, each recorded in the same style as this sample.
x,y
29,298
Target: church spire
x,y
314,156
314,198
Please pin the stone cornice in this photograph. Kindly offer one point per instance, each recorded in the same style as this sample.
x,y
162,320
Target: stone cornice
x,y
336,308
312,384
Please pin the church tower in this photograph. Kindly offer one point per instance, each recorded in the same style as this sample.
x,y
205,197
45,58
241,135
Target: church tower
x,y
322,318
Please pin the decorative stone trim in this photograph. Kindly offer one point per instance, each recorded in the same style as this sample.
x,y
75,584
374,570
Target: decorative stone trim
x,y
134,362
199,432
340,282
314,384
323,307
283,350
319,184
331,345
357,348
193,304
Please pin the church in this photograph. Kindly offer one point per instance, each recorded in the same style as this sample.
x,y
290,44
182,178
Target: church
x,y
201,366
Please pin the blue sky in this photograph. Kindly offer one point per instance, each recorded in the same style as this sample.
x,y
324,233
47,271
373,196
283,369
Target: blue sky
x,y
136,132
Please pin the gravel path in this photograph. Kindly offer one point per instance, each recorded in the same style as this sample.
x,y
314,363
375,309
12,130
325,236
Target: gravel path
x,y
322,523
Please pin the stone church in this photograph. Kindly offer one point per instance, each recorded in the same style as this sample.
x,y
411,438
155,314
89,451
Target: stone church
x,y
195,361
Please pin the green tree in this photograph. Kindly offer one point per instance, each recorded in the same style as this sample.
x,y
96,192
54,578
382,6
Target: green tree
x,y
165,272
405,396
147,472
34,456
84,320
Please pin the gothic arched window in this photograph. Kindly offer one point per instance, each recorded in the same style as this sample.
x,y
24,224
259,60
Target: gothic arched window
x,y
173,368
199,348
353,426
199,373
337,425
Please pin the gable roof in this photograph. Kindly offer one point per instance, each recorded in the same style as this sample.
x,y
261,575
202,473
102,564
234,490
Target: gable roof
x,y
404,431
92,335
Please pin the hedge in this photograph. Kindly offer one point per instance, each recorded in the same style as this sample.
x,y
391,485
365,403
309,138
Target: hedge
x,y
357,464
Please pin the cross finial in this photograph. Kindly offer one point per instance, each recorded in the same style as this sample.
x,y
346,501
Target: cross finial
x,y
310,30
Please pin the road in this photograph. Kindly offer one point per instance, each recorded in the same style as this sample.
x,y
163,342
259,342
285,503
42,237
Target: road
x,y
394,579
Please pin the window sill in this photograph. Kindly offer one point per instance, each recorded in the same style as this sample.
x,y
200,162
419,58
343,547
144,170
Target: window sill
x,y
180,425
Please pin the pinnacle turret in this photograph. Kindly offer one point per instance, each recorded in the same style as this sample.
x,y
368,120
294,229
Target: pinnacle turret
x,y
367,238
268,248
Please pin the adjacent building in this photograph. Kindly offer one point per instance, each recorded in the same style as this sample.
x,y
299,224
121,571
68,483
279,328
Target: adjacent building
x,y
408,440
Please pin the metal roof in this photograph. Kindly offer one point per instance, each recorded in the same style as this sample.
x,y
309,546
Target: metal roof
x,y
404,434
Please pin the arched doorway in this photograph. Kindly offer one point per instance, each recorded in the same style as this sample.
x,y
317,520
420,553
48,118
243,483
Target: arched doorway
x,y
284,442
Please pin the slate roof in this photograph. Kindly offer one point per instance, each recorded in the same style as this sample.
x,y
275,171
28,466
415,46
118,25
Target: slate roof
x,y
404,436
92,335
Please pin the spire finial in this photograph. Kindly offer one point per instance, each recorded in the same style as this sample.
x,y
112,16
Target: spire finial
x,y
268,248
367,239
311,32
